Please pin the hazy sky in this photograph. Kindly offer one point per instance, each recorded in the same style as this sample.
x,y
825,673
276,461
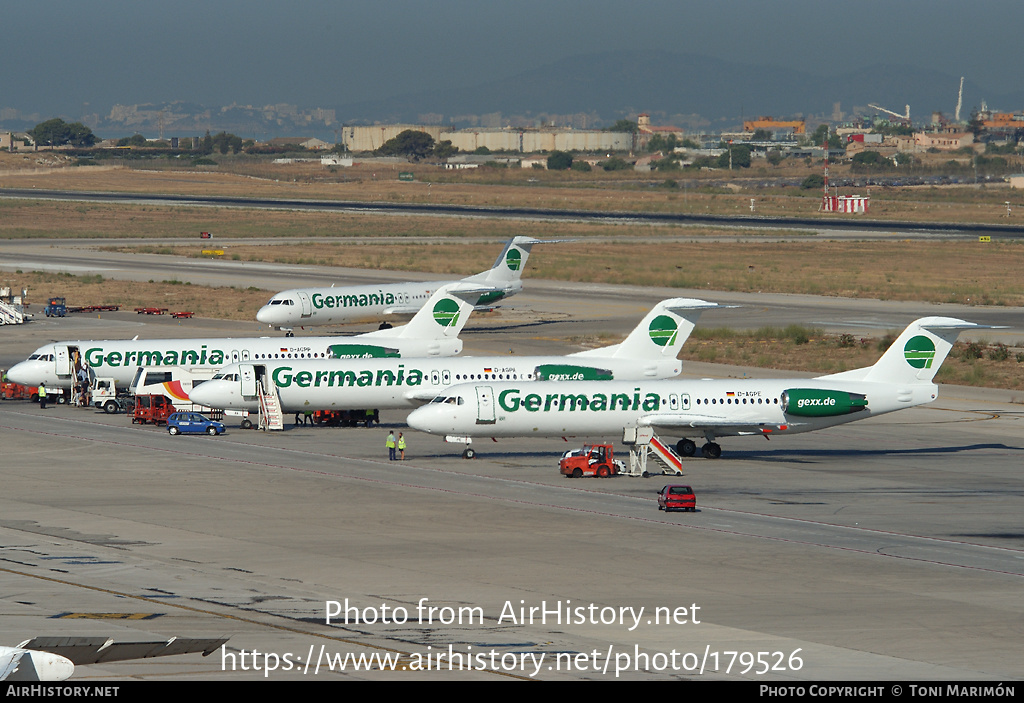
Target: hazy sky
x,y
59,54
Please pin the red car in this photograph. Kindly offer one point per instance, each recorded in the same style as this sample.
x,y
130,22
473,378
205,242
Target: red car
x,y
677,498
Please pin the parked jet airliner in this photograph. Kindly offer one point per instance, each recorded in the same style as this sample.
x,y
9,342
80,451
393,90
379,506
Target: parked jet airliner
x,y
326,384
307,307
902,378
434,331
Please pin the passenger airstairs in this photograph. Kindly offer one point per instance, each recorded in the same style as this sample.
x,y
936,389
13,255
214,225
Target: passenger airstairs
x,y
11,314
271,417
642,442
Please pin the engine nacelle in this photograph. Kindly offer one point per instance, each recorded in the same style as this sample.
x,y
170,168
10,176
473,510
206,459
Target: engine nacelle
x,y
361,351
815,402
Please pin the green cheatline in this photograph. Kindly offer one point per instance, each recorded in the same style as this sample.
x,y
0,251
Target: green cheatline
x,y
446,312
663,330
919,352
514,259
360,351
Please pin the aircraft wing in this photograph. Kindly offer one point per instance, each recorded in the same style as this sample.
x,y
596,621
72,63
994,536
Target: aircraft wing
x,y
716,424
94,650
401,310
470,292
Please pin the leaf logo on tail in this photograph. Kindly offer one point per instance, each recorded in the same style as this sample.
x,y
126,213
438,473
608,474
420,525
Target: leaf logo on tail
x,y
446,312
514,259
663,330
919,352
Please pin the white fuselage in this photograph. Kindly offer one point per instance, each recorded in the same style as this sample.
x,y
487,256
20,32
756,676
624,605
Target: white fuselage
x,y
687,408
307,307
397,383
53,365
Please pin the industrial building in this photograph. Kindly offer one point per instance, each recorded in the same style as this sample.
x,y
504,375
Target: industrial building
x,y
521,140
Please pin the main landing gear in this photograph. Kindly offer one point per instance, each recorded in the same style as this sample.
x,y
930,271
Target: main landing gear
x,y
687,447
711,450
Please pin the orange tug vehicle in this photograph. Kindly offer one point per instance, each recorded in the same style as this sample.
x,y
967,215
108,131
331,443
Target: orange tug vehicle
x,y
9,390
152,408
591,460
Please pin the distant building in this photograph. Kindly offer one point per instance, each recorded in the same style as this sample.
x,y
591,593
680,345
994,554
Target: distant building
x,y
518,140
644,126
310,143
773,125
372,137
335,160
646,131
539,161
943,141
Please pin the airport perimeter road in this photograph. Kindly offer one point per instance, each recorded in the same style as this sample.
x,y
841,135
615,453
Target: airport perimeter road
x,y
889,549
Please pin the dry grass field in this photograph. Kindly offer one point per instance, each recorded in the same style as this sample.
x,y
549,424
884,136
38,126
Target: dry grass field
x,y
222,303
951,272
797,348
601,191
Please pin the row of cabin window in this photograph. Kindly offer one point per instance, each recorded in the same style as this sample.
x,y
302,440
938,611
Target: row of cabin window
x,y
736,401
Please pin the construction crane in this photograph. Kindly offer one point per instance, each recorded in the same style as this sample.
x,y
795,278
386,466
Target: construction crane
x,y
897,115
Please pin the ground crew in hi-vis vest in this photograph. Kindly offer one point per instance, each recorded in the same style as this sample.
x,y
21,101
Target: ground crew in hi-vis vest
x,y
390,444
401,447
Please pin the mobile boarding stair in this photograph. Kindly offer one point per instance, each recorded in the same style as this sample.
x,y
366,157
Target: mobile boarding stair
x,y
643,443
11,314
271,417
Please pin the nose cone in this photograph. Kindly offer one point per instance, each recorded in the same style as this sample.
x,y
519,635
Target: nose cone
x,y
222,395
27,373
212,394
426,419
267,315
